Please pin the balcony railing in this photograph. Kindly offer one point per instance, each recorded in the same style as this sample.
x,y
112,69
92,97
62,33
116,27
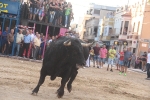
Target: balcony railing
x,y
57,17
132,37
122,37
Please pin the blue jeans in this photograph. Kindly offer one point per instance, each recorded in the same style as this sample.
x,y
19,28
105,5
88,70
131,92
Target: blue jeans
x,y
66,20
52,15
18,49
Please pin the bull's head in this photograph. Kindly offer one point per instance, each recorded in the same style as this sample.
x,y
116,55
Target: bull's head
x,y
68,43
86,44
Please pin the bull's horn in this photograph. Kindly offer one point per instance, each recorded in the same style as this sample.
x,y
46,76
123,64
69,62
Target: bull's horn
x,y
86,44
67,43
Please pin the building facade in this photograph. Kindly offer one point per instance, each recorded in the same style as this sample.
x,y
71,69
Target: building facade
x,y
92,25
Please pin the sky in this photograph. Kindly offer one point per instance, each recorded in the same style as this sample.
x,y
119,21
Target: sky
x,y
81,6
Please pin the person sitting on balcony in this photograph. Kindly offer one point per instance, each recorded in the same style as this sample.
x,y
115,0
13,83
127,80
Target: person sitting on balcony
x,y
67,14
47,4
59,12
64,4
33,9
52,11
41,11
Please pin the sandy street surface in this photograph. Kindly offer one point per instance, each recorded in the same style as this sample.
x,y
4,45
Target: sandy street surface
x,y
18,78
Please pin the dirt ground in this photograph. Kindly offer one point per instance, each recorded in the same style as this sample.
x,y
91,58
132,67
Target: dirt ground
x,y
18,78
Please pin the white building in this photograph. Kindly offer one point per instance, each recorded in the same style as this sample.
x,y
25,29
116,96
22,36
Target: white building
x,y
92,26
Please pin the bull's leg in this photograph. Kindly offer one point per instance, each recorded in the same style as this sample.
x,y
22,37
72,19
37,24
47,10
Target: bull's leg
x,y
73,76
65,78
41,81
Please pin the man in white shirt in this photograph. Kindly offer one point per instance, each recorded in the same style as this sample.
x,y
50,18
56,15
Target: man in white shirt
x,y
148,64
32,40
19,39
36,46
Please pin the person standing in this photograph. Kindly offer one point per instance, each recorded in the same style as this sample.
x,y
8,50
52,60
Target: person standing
x,y
26,44
103,55
42,47
10,40
92,54
4,40
36,46
96,55
144,57
121,63
148,65
127,59
133,59
111,54
0,38
117,60
19,40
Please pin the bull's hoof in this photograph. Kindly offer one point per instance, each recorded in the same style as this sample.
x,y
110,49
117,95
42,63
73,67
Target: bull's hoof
x,y
69,87
60,94
33,93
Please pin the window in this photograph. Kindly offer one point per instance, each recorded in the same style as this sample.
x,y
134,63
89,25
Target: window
x,y
121,27
110,31
96,11
125,27
133,27
95,31
134,50
138,27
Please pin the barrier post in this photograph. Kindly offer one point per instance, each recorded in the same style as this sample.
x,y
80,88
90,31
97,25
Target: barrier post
x,y
16,30
45,41
34,28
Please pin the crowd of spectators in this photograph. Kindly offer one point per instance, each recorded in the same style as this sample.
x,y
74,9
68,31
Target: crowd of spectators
x,y
28,44
54,12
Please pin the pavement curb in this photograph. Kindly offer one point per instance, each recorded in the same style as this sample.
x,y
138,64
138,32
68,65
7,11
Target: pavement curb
x,y
21,58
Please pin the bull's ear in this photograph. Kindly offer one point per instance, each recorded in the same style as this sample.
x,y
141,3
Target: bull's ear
x,y
67,43
86,44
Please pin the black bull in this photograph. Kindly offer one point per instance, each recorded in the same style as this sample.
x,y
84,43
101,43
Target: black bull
x,y
62,59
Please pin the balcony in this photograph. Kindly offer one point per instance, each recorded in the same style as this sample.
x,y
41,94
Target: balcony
x,y
132,44
109,21
89,37
131,37
104,38
122,37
